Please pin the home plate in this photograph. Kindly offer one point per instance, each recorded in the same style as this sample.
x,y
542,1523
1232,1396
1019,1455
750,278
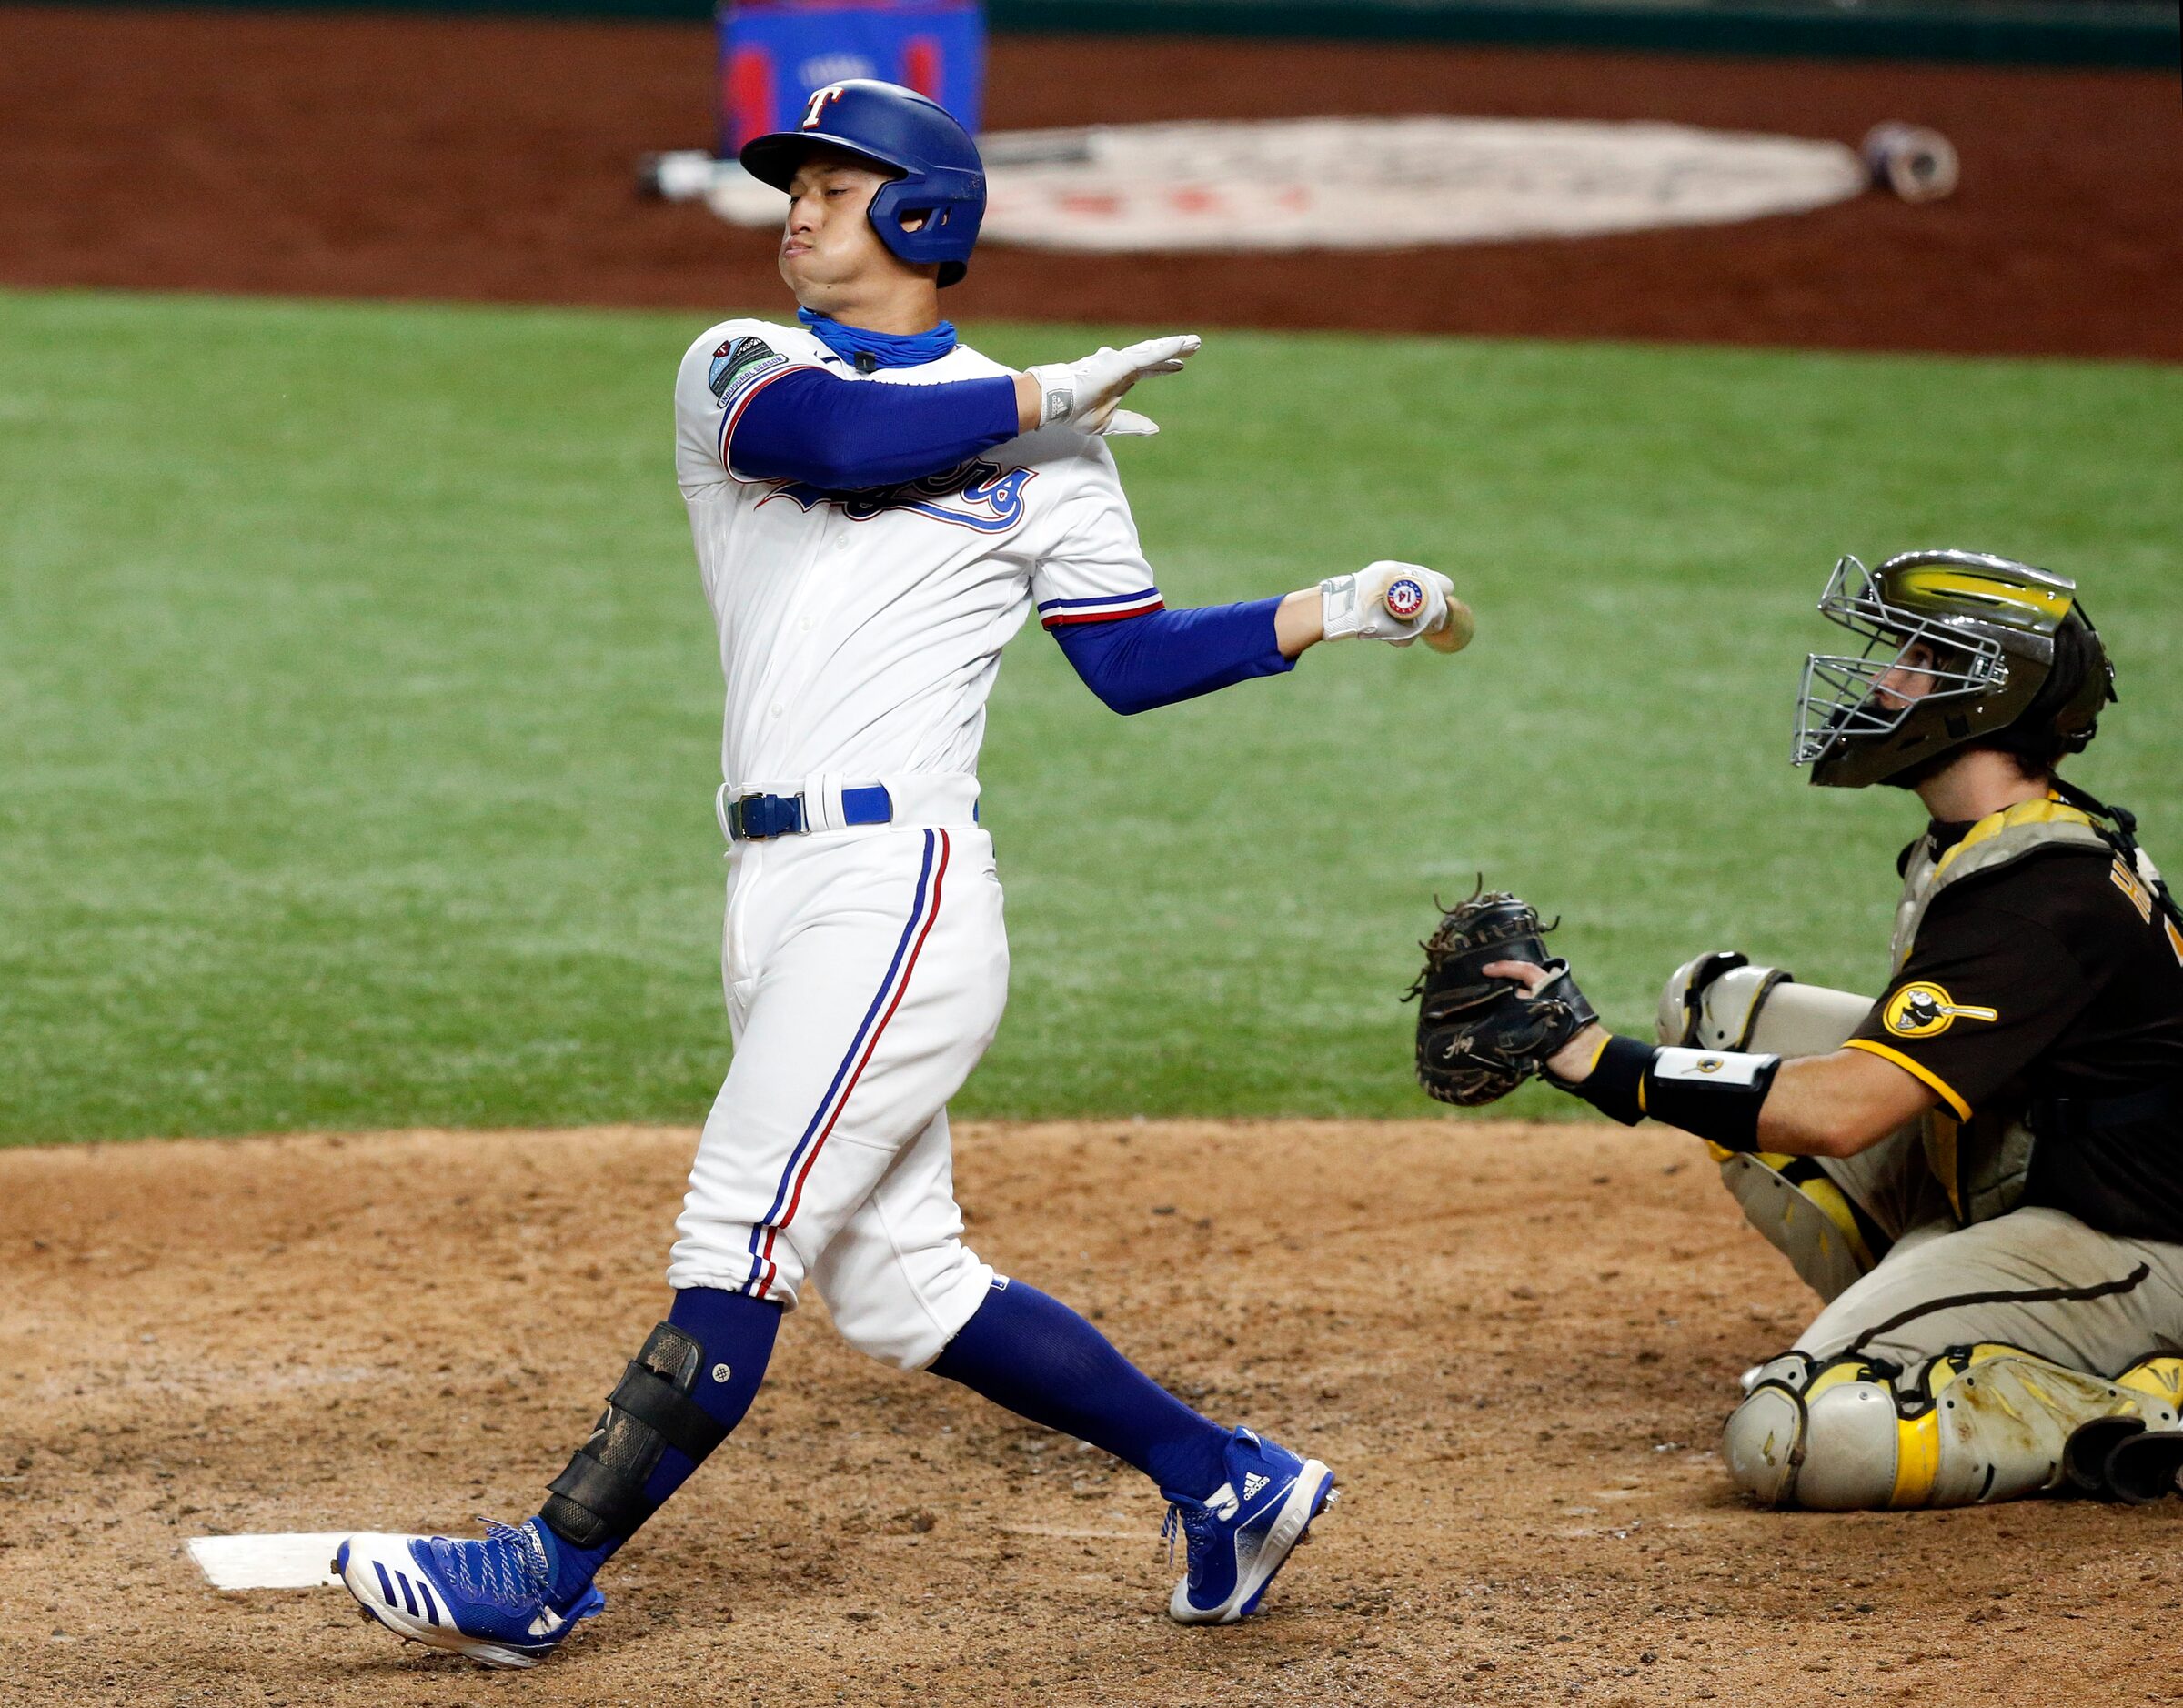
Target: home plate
x,y
299,1560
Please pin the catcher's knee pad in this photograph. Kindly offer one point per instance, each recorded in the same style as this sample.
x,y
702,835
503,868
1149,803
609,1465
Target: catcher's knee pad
x,y
1978,1423
1827,1237
1720,1001
600,1496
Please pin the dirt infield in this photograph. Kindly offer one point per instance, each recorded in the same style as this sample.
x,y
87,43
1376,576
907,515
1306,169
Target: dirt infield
x,y
1514,1344
405,156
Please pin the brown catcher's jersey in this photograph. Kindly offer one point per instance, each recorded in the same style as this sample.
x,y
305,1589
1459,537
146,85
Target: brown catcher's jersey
x,y
2055,976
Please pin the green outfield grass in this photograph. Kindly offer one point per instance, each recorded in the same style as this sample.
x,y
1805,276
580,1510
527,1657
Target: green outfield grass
x,y
359,708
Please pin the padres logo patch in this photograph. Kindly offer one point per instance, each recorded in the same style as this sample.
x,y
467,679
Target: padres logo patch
x,y
1926,1010
1406,598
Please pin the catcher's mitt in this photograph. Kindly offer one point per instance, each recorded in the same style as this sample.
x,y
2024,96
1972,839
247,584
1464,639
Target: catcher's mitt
x,y
1478,1039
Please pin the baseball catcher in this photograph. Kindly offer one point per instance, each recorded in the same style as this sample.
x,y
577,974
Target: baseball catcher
x,y
1981,1172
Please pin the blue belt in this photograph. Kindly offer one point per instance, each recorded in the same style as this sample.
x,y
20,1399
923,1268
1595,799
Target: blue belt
x,y
759,818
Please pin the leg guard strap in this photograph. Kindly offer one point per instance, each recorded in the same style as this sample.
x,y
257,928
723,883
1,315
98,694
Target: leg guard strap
x,y
681,1422
590,1504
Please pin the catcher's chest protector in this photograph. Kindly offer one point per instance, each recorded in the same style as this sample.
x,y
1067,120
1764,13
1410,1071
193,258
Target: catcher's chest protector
x,y
1981,1161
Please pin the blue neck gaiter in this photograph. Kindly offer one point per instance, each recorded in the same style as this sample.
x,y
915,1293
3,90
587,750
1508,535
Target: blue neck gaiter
x,y
870,349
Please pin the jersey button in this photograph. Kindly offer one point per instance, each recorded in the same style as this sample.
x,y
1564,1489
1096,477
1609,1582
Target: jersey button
x,y
777,708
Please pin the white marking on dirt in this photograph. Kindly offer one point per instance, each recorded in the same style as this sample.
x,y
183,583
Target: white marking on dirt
x,y
1357,183
295,1560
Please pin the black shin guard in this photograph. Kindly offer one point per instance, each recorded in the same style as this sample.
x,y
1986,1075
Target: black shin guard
x,y
599,1498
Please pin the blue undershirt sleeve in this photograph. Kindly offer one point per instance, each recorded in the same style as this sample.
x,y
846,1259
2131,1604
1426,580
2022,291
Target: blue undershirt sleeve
x,y
845,435
1135,663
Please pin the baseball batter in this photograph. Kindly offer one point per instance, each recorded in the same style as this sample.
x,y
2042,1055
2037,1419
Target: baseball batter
x,y
877,508
1981,1172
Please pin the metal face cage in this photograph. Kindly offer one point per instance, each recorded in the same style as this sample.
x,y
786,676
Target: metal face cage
x,y
1841,699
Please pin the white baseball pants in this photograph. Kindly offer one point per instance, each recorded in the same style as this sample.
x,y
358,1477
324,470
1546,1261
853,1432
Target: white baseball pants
x,y
866,971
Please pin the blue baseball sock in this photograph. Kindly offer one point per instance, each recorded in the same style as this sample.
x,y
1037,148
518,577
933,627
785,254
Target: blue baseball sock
x,y
737,1333
1042,1361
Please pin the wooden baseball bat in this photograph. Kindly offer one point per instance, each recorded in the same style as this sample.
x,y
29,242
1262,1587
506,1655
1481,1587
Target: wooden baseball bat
x,y
1456,629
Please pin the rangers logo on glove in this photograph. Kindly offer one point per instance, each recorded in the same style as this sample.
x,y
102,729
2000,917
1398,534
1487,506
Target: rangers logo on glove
x,y
1478,1039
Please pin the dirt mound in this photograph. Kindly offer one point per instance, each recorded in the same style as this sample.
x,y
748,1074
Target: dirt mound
x,y
387,155
1515,1344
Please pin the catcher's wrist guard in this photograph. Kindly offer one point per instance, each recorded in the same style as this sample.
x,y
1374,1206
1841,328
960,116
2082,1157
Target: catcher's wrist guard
x,y
1615,1086
1714,1094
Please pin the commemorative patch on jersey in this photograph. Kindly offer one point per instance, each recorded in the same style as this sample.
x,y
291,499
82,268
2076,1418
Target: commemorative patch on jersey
x,y
1926,1010
737,362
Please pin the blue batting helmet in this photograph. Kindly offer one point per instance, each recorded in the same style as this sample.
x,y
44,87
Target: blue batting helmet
x,y
938,175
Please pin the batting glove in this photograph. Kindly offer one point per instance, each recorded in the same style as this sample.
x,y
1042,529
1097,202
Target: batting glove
x,y
1390,601
1083,395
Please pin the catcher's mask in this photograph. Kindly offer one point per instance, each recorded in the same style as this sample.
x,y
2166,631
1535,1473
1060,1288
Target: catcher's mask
x,y
1960,649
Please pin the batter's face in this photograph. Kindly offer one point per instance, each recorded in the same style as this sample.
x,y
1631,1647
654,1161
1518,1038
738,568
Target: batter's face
x,y
829,252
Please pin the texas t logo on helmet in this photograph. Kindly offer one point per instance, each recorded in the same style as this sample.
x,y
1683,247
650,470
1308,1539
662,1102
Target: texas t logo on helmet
x,y
815,108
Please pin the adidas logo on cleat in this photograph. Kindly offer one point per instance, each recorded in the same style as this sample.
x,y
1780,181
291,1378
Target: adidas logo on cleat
x,y
1252,1483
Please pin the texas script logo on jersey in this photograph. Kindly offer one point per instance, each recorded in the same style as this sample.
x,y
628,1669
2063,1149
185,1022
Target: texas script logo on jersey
x,y
1926,1010
979,496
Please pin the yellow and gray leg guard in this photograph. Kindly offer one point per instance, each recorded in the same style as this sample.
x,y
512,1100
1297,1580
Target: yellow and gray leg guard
x,y
1720,1001
1805,1215
1976,1424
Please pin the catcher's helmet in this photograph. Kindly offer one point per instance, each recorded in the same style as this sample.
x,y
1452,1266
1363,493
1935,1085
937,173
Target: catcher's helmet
x,y
2009,661
938,173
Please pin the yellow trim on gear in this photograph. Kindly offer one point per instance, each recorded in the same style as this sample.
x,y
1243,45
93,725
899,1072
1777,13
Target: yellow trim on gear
x,y
1833,1204
1962,1108
1917,1460
2162,1378
1973,584
1834,1375
2047,811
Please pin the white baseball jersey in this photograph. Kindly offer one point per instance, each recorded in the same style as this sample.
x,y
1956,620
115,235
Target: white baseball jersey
x,y
860,634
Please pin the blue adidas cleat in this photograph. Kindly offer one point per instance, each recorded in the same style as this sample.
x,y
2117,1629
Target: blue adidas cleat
x,y
483,1598
1241,1534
